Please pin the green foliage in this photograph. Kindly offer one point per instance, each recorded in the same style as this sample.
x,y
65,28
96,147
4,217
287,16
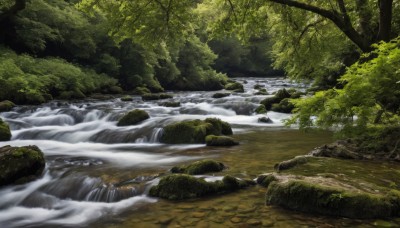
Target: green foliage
x,y
25,79
370,96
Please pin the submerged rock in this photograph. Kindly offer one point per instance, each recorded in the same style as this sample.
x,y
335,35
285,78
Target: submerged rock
x,y
5,133
6,106
183,186
171,104
235,86
133,117
152,96
194,131
199,167
213,140
298,160
20,164
265,119
221,95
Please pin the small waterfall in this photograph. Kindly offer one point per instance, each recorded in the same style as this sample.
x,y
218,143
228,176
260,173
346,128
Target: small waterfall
x,y
156,135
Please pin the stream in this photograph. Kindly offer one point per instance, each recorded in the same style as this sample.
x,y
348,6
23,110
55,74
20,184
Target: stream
x,y
98,174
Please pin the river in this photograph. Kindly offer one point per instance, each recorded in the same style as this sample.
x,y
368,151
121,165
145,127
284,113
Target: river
x,y
98,174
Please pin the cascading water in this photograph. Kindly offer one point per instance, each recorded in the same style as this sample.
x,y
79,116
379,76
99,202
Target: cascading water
x,y
93,166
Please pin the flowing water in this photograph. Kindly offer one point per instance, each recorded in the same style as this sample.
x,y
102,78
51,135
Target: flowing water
x,y
98,174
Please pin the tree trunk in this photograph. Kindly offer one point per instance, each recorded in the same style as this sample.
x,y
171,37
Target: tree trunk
x,y
385,19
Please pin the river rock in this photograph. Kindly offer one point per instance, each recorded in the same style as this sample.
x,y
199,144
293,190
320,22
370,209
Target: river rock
x,y
258,86
221,95
199,167
5,133
6,106
152,96
183,186
261,109
298,160
133,117
235,86
194,131
126,98
276,99
284,106
171,104
20,164
213,140
265,119
329,196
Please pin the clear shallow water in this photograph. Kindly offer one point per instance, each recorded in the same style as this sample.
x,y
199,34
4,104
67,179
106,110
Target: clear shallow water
x,y
98,174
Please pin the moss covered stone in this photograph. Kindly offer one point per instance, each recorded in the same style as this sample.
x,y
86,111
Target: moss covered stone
x,y
276,99
266,179
126,98
304,196
194,131
258,86
5,133
171,104
183,186
265,119
299,160
6,106
153,96
283,106
235,86
213,140
133,117
199,167
261,109
20,164
221,95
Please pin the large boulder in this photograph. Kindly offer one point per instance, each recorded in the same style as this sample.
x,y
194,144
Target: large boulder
x,y
133,117
280,101
6,106
5,133
261,109
194,131
235,86
183,186
213,140
199,167
329,196
20,164
283,106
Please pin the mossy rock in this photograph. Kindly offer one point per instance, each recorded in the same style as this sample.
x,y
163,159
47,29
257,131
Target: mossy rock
x,y
265,119
133,117
20,164
301,195
5,133
141,91
261,92
236,87
199,167
126,98
298,160
258,86
171,104
194,131
183,186
6,106
213,140
266,179
153,96
278,97
221,95
284,106
261,109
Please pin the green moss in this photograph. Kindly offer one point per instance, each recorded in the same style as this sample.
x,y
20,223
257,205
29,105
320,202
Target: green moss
x,y
213,140
278,97
283,106
261,109
194,131
266,180
141,91
150,97
199,167
183,186
133,117
314,198
221,95
6,106
20,164
299,160
5,133
126,98
236,86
